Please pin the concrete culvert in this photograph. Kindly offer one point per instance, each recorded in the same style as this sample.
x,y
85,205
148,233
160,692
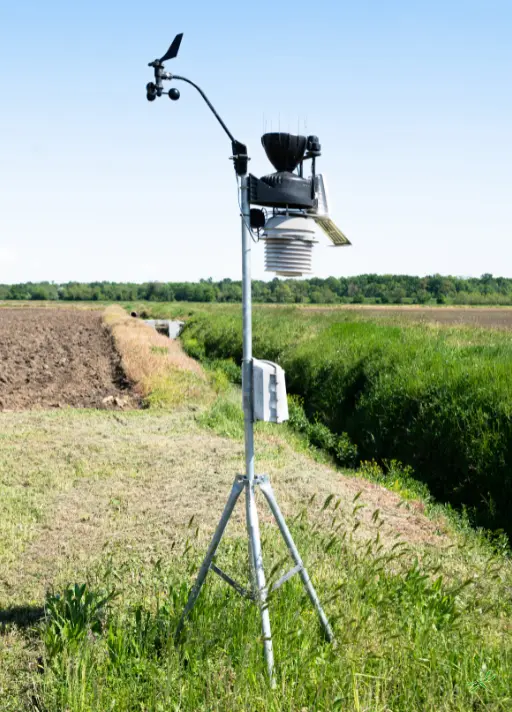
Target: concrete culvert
x,y
167,327
134,314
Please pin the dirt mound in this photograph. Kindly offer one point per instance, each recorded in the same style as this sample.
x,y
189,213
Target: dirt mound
x,y
51,358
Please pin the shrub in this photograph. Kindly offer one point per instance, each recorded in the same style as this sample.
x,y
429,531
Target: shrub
x,y
232,371
319,435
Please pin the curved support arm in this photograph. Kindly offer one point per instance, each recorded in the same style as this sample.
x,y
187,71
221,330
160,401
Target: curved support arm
x,y
212,108
240,157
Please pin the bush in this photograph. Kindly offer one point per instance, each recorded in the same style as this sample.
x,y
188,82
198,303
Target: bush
x,y
319,435
228,367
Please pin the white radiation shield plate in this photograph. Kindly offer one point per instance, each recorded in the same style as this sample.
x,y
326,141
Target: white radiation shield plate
x,y
289,244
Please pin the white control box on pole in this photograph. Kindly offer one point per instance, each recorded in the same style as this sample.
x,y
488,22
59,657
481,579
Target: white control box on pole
x,y
269,392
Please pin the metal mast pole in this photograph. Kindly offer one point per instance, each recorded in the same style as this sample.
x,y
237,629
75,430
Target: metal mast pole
x,y
253,529
247,395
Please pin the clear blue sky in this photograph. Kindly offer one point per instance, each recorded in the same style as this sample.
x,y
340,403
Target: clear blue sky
x,y
411,100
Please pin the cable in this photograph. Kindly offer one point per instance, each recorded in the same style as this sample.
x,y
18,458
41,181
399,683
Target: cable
x,y
210,105
249,228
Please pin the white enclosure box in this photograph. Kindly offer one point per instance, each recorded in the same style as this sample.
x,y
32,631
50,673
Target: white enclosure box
x,y
269,389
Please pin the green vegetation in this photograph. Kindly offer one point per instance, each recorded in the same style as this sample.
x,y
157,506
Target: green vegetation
x,y
437,399
125,502
362,289
407,638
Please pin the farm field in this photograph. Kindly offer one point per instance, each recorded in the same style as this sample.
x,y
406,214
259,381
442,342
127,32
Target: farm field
x,y
499,317
124,502
51,358
486,317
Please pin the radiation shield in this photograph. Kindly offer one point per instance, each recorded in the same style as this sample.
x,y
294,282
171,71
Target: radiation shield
x,y
289,244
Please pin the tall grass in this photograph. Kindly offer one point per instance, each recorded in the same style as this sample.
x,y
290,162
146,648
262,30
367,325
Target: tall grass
x,y
438,399
407,638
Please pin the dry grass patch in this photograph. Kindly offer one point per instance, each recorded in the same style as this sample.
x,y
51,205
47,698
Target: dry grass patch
x,y
157,366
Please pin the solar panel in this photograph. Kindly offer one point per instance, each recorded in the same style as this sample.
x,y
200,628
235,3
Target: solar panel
x,y
331,230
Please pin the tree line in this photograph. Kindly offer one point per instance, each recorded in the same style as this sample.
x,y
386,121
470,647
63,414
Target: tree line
x,y
363,289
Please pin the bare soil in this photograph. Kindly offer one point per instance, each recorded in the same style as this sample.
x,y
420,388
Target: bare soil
x,y
51,358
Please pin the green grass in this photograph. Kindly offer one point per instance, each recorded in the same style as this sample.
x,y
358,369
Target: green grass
x,y
439,399
406,638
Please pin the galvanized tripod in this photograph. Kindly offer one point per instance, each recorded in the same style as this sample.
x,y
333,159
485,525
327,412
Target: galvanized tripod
x,y
249,482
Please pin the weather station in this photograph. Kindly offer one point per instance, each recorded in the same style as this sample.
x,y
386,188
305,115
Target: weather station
x,y
288,212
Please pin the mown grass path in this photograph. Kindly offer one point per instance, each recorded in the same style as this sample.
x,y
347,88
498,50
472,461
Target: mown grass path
x,y
75,481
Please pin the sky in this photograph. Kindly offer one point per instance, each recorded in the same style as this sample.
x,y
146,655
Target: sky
x,y
411,100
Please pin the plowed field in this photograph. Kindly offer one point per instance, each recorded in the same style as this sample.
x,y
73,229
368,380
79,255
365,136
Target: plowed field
x,y
51,358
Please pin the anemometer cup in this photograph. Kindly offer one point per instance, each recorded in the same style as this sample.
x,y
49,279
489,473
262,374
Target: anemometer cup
x,y
151,92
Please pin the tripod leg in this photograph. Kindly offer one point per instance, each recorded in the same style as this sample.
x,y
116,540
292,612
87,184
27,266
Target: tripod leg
x,y
237,488
267,490
258,575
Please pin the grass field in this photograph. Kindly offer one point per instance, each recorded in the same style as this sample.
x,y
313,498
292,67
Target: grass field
x,y
436,396
486,317
124,503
